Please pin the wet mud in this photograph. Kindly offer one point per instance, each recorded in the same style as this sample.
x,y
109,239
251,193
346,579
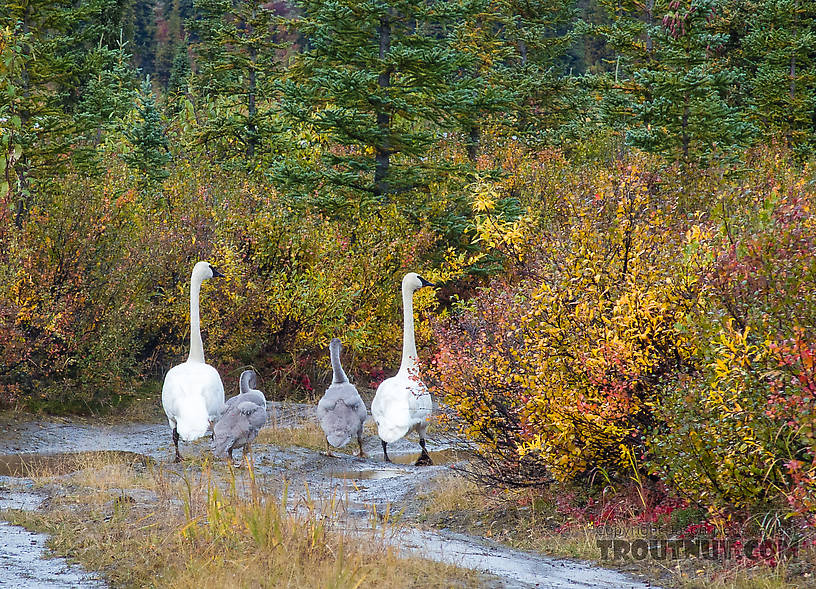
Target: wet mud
x,y
361,489
23,554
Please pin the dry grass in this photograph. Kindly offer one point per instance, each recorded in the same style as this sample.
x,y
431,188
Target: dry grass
x,y
523,520
450,492
306,435
149,525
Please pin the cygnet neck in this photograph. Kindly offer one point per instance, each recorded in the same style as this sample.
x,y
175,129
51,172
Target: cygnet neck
x,y
338,374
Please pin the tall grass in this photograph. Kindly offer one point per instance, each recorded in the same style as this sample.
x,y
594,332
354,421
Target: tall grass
x,y
204,527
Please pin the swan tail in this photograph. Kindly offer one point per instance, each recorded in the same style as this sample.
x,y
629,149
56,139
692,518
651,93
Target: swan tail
x,y
391,432
338,439
193,422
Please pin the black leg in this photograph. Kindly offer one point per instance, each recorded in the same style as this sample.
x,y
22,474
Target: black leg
x,y
175,443
424,458
385,451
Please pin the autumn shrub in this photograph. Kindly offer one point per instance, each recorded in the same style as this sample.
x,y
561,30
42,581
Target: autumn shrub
x,y
71,294
94,288
554,374
738,431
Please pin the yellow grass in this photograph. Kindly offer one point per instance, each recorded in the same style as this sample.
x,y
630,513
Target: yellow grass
x,y
196,529
307,435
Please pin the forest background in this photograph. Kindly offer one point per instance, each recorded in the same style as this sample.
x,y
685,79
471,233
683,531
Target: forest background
x,y
615,197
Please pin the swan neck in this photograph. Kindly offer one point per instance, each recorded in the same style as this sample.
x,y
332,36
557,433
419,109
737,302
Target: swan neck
x,y
409,352
196,345
338,374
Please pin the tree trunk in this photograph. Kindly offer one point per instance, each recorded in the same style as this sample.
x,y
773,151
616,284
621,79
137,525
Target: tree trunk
x,y
472,146
252,130
23,167
383,150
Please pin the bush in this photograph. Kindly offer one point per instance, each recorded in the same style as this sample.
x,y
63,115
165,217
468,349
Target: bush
x,y
555,374
738,431
94,290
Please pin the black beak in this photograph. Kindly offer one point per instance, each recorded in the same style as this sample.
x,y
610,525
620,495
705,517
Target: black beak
x,y
425,282
216,272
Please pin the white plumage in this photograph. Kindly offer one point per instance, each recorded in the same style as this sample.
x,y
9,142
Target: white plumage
x,y
193,395
402,403
341,412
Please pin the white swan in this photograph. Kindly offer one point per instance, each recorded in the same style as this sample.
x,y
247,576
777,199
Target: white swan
x,y
341,411
402,402
244,416
193,395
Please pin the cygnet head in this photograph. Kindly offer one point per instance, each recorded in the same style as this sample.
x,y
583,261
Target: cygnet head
x,y
248,380
335,344
204,271
413,281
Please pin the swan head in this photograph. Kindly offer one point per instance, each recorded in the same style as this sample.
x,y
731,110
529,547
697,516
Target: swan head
x,y
335,344
205,271
413,281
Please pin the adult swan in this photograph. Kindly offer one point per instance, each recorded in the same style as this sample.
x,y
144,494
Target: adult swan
x,y
193,395
402,402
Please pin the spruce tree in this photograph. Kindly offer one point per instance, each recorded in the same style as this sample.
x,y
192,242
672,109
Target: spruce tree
x,y
69,83
683,98
236,64
779,52
179,72
150,148
373,88
540,33
514,77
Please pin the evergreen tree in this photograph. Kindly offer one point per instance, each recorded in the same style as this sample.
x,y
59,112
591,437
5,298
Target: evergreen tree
x,y
69,82
170,17
779,51
150,148
180,72
236,64
540,34
140,30
682,93
375,85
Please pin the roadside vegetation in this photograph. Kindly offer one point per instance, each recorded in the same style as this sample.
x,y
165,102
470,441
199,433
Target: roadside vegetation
x,y
616,199
140,524
570,521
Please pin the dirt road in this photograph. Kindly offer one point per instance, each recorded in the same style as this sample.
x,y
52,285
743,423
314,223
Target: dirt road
x,y
366,490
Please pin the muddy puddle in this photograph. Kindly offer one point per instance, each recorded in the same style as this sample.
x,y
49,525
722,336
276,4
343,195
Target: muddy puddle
x,y
439,457
31,465
518,569
368,474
